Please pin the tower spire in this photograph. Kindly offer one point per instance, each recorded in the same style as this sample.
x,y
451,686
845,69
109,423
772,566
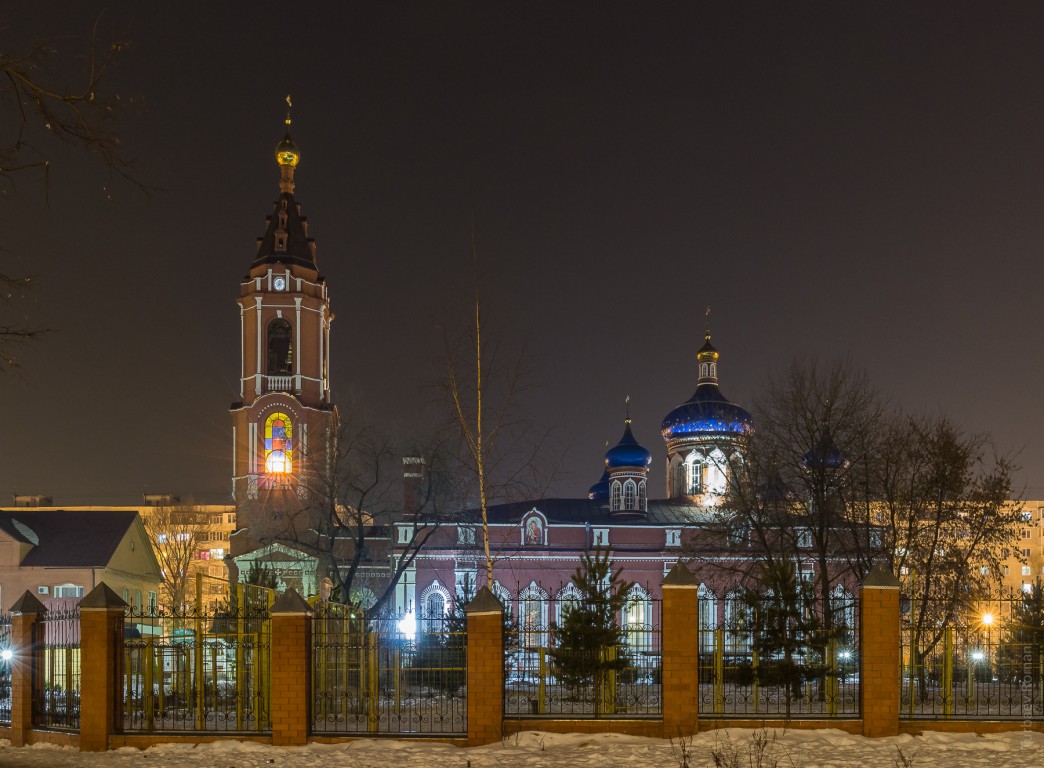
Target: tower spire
x,y
287,155
706,334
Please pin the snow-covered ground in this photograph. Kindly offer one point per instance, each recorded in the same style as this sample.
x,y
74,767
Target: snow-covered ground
x,y
797,749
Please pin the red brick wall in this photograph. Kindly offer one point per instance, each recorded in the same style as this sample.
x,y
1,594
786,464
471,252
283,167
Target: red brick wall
x,y
680,643
879,649
485,678
291,678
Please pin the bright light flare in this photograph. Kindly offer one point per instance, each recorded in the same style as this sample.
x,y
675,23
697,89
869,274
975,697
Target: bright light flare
x,y
407,625
987,619
977,655
6,655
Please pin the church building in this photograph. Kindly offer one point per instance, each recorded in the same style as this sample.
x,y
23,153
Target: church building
x,y
536,544
284,422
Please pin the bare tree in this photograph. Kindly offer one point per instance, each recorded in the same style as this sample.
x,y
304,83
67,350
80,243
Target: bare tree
x,y
944,502
500,450
177,534
38,107
801,490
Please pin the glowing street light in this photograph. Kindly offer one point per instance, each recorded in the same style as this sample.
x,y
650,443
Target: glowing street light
x,y
987,619
977,655
407,625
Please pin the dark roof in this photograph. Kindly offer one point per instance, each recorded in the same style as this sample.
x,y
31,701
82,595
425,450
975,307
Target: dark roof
x,y
66,539
580,511
300,249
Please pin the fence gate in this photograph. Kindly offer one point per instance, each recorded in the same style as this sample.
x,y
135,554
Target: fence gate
x,y
387,675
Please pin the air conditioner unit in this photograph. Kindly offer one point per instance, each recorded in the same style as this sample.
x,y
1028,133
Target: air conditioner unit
x,y
43,590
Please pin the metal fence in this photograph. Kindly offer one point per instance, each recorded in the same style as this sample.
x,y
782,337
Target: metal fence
x,y
543,679
6,656
986,662
56,669
763,665
387,675
197,670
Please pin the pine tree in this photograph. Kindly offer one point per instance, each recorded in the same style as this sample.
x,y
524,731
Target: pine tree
x,y
587,641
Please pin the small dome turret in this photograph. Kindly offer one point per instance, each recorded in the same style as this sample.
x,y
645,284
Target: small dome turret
x,y
627,452
600,490
286,152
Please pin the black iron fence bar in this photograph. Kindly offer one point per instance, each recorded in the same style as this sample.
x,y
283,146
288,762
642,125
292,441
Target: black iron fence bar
x,y
193,671
55,670
543,680
6,657
810,674
372,676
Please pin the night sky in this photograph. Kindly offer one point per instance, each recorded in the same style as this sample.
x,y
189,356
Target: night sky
x,y
861,180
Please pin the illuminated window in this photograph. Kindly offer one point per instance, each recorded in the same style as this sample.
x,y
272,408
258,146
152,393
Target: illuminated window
x,y
630,491
614,503
280,348
279,451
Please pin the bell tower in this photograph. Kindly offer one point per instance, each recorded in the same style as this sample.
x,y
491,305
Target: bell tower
x,y
283,424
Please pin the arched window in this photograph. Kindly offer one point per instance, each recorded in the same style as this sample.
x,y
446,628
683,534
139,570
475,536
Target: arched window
x,y
567,599
708,618
704,370
280,348
716,477
434,605
614,501
842,606
739,623
694,473
532,616
637,620
630,492
643,504
714,370
279,445
503,595
678,479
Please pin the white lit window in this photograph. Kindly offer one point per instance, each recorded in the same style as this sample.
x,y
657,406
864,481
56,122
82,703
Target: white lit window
x,y
465,534
183,536
161,538
673,537
405,534
804,538
600,537
1027,588
630,493
68,590
614,502
217,553
1026,570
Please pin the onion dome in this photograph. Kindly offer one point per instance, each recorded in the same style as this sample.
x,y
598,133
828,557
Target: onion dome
x,y
708,411
600,490
627,452
826,454
286,152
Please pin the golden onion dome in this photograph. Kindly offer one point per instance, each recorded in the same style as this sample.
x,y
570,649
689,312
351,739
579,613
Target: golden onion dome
x,y
287,153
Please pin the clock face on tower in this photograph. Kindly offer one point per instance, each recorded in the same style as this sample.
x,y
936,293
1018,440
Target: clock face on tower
x,y
279,283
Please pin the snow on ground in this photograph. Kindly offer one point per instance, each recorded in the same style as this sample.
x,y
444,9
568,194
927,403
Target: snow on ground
x,y
794,749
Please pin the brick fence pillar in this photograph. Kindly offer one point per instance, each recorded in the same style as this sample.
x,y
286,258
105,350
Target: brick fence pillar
x,y
680,651
24,615
879,653
101,630
485,668
291,669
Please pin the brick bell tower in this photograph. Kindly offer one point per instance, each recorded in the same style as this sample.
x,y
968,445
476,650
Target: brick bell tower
x,y
284,424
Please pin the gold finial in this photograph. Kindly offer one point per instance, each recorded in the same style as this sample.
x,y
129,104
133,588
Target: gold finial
x,y
287,154
707,334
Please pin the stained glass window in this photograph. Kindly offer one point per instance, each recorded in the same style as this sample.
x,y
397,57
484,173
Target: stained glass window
x,y
279,446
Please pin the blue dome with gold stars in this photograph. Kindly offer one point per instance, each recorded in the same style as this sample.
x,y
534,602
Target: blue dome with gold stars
x,y
708,411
